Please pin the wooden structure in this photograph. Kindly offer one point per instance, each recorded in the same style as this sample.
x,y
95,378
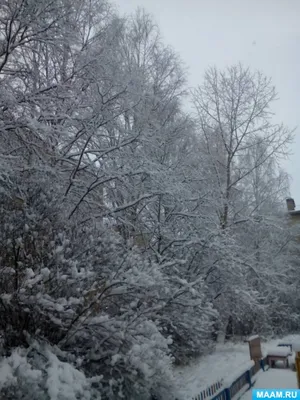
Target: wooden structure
x,y
297,364
296,348
278,355
254,348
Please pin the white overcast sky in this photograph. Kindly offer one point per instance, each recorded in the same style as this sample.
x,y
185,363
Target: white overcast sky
x,y
262,34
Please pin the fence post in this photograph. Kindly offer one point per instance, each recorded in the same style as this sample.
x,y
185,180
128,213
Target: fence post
x,y
248,377
227,394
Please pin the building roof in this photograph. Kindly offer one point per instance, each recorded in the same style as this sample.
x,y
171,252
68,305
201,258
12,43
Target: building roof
x,y
294,212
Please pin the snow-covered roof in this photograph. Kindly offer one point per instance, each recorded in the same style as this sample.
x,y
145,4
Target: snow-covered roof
x,y
249,339
294,212
279,352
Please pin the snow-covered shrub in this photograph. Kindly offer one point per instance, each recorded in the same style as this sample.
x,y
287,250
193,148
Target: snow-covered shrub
x,y
37,373
191,337
79,288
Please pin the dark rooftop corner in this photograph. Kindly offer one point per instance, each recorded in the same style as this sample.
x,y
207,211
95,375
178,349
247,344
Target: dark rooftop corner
x,y
291,206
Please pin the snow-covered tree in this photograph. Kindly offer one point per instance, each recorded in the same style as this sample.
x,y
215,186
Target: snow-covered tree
x,y
127,224
241,145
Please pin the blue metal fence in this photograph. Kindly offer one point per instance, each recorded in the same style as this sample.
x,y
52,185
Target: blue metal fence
x,y
209,391
239,383
244,380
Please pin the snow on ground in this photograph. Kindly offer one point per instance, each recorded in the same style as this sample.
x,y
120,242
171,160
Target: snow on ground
x,y
273,379
226,360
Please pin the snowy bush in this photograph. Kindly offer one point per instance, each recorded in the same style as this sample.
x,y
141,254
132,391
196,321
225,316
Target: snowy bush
x,y
37,373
